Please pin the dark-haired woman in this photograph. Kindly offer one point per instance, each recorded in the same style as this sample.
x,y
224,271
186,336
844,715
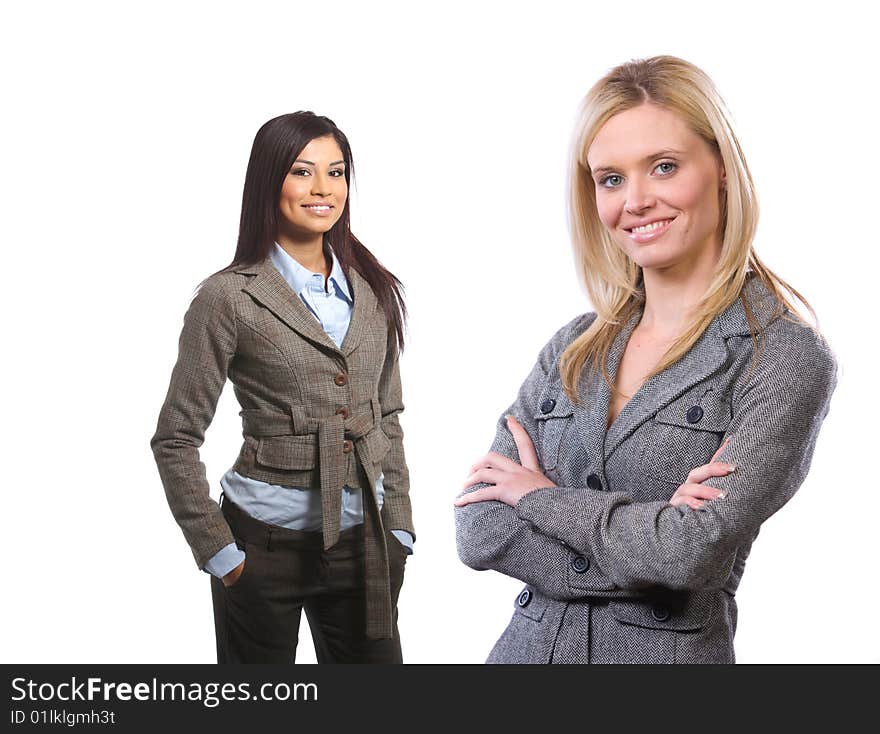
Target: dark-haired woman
x,y
307,325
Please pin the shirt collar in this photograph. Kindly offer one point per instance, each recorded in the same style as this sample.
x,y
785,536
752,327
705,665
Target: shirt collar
x,y
337,277
298,277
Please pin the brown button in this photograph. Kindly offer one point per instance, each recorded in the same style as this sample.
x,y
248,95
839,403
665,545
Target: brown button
x,y
347,446
342,411
340,379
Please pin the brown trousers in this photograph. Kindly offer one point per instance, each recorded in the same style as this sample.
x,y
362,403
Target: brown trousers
x,y
256,620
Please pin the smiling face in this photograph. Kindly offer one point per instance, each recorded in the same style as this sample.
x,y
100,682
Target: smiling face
x,y
313,193
657,188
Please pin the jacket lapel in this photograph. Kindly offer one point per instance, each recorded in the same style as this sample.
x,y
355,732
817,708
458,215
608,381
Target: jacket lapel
x,y
365,303
707,355
595,395
271,290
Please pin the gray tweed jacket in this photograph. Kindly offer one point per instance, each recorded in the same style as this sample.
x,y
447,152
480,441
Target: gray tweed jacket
x,y
313,414
613,572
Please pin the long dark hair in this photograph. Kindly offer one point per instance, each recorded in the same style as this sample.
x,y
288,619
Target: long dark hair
x,y
276,146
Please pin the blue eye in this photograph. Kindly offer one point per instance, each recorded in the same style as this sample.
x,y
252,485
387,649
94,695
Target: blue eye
x,y
666,166
611,180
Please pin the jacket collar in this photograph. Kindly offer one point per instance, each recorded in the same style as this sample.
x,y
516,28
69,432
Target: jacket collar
x,y
764,307
708,354
268,287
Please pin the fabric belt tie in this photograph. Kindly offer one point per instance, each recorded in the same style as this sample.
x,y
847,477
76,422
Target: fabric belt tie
x,y
332,432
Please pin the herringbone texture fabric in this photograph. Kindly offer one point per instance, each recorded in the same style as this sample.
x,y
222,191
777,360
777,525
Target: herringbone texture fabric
x,y
615,573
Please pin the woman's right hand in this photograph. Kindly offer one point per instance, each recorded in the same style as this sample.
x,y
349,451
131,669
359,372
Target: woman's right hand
x,y
230,578
694,494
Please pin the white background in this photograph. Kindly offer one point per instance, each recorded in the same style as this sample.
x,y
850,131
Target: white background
x,y
125,136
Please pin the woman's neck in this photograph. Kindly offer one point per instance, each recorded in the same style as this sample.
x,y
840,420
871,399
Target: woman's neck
x,y
672,295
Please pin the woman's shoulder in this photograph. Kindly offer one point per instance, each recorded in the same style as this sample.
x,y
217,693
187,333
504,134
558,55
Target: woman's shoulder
x,y
227,279
218,290
787,360
574,328
785,341
792,342
566,334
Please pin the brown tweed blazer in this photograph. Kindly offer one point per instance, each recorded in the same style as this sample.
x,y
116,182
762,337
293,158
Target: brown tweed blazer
x,y
313,414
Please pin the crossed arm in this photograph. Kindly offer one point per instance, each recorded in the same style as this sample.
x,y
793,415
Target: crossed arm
x,y
489,532
519,523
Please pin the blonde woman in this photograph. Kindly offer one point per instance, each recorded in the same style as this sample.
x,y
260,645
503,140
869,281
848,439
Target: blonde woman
x,y
654,436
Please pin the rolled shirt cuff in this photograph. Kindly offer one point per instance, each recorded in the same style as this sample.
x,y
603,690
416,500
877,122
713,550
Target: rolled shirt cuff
x,y
406,539
224,560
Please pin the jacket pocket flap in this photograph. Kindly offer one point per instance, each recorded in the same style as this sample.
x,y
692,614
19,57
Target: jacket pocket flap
x,y
686,614
530,603
553,403
377,444
288,452
706,413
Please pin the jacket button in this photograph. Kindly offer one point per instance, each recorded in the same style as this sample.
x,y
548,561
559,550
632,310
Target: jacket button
x,y
593,482
342,411
340,379
524,598
694,414
660,613
548,405
346,446
580,564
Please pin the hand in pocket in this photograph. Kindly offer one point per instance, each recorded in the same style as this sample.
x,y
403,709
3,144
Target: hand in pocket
x,y
230,578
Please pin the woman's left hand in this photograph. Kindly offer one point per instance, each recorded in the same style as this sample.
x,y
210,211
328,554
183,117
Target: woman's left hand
x,y
508,481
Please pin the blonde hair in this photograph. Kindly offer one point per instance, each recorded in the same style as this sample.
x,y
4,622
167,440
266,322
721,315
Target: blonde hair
x,y
612,280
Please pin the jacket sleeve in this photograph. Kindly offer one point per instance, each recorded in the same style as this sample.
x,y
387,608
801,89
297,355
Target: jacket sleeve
x,y
396,507
206,346
777,414
491,535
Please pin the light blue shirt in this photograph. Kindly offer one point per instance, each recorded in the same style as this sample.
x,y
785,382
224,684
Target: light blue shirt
x,y
300,508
